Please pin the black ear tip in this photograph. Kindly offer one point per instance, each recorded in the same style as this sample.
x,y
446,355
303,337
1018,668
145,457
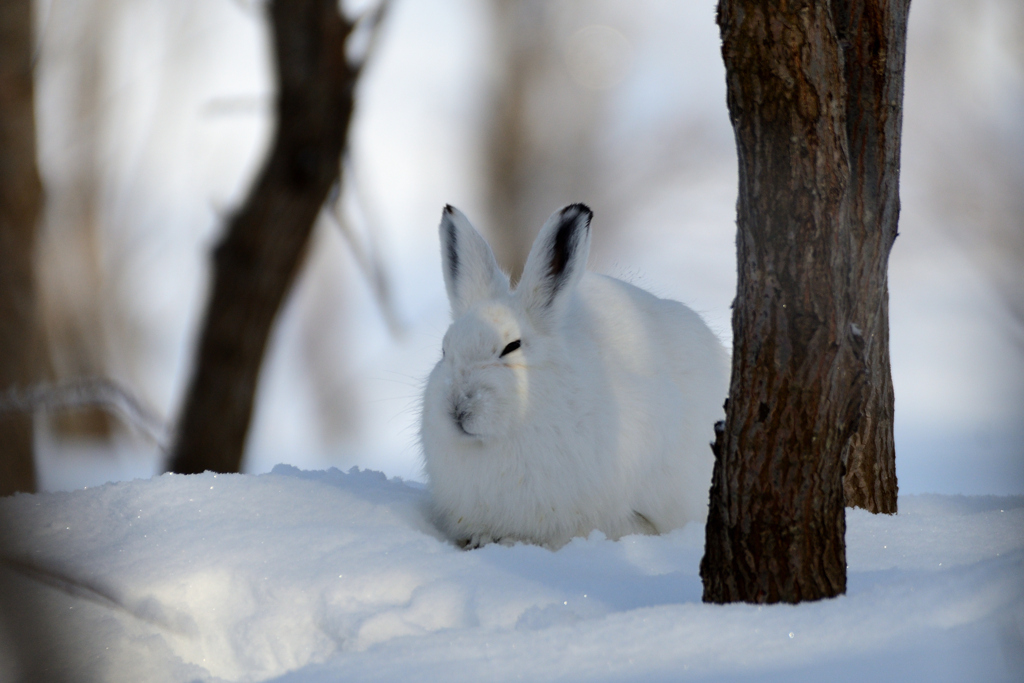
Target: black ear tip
x,y
449,209
574,210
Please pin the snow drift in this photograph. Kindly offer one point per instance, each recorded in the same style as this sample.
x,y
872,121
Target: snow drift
x,y
322,576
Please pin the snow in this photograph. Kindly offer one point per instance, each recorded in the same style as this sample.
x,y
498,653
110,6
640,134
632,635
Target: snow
x,y
323,576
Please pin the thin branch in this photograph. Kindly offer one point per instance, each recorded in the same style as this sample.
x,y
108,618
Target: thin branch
x,y
368,259
88,392
369,25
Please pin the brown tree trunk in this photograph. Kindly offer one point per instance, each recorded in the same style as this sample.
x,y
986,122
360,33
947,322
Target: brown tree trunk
x,y
258,258
873,37
815,98
776,522
20,201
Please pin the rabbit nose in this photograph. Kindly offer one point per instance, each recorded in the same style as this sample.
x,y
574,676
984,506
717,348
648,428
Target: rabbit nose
x,y
459,416
461,412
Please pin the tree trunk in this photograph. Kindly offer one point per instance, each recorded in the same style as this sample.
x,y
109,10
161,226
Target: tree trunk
x,y
20,201
873,37
776,522
815,98
257,260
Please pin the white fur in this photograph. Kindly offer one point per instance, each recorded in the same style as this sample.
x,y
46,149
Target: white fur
x,y
602,419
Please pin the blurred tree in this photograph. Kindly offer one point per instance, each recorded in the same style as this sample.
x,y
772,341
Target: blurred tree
x,y
540,148
70,271
561,70
20,201
975,173
257,260
815,97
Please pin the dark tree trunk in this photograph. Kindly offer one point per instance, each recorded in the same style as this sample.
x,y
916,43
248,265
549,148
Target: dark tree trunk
x,y
873,38
258,258
815,95
20,201
776,519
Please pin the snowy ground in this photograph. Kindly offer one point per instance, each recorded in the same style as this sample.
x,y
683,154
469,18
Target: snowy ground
x,y
324,576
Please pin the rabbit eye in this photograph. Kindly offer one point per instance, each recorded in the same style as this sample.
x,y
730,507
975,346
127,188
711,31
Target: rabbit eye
x,y
512,346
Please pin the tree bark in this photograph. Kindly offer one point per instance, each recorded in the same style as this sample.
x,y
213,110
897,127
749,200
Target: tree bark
x,y
258,258
776,523
815,98
20,201
873,38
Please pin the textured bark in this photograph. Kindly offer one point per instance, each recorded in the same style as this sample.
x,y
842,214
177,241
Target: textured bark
x,y
873,37
815,98
776,523
258,258
20,201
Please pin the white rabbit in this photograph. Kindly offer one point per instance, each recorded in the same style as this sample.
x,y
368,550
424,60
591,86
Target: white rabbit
x,y
574,402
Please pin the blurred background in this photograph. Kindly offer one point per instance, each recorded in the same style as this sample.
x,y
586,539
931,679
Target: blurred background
x,y
153,118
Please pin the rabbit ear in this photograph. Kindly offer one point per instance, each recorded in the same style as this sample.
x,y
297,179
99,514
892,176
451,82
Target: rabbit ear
x,y
557,260
470,272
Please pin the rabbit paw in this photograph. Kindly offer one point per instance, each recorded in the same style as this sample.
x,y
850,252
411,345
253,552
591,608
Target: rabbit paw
x,y
476,541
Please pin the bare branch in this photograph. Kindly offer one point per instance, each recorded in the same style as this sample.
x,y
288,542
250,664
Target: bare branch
x,y
92,392
367,30
367,258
